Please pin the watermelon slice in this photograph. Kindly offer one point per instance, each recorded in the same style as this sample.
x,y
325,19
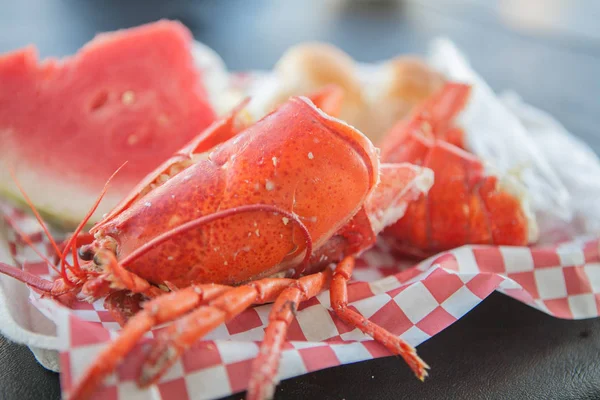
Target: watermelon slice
x,y
66,125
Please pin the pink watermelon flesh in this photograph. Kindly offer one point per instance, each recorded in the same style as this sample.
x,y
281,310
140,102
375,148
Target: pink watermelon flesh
x,y
66,125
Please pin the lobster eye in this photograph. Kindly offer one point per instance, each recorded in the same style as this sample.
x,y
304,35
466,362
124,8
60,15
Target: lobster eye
x,y
86,253
97,259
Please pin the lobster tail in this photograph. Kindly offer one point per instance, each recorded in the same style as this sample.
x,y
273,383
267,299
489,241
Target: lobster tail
x,y
466,205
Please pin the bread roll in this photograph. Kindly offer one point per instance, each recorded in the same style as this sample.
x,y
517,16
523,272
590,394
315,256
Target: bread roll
x,y
309,67
404,82
372,105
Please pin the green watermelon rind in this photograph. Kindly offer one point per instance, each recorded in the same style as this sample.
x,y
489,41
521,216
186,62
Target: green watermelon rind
x,y
62,222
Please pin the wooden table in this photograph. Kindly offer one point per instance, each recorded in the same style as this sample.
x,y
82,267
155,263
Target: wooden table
x,y
547,50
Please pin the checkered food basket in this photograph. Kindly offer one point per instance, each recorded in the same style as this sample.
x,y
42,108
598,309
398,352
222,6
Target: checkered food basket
x,y
560,278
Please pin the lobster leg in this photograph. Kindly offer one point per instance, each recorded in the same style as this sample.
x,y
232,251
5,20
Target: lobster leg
x,y
189,329
122,306
155,312
440,111
117,277
339,303
265,366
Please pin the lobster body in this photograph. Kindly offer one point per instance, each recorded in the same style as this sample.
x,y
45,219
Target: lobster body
x,y
301,168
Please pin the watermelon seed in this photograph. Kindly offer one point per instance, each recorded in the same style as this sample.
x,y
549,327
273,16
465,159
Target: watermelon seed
x,y
163,120
99,101
128,97
132,139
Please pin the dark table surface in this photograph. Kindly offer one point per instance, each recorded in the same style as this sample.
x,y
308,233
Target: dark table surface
x,y
547,50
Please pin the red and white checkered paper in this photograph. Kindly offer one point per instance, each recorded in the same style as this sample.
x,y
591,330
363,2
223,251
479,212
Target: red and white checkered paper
x,y
413,302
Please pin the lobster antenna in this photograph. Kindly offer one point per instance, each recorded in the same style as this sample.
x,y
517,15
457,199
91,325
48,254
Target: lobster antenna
x,y
72,243
183,228
41,284
35,212
28,241
26,277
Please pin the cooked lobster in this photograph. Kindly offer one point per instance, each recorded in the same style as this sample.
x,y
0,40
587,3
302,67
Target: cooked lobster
x,y
245,214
